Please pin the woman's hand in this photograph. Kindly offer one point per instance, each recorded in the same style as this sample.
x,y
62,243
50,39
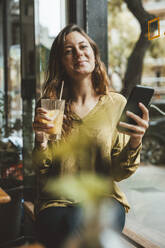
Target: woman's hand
x,y
139,129
41,126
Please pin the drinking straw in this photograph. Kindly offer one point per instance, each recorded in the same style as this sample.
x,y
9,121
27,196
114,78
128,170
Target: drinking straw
x,y
62,86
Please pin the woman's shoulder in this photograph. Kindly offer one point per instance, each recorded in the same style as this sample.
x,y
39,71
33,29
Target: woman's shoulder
x,y
115,103
116,98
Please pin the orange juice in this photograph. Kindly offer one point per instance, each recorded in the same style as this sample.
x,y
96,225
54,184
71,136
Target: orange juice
x,y
55,111
57,117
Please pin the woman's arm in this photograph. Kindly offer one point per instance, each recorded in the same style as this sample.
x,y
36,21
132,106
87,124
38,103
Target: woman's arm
x,y
42,152
42,158
125,160
137,131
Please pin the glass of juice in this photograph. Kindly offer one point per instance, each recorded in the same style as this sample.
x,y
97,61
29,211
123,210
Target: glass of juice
x,y
55,110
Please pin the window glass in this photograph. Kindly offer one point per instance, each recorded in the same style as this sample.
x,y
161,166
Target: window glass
x,y
146,188
1,70
14,75
52,18
10,92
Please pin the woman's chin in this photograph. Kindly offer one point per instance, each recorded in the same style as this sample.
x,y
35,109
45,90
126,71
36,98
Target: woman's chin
x,y
83,70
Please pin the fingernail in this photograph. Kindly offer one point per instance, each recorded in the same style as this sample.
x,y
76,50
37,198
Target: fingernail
x,y
50,125
128,112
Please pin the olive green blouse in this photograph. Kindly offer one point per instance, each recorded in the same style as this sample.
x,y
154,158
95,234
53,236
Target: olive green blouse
x,y
99,134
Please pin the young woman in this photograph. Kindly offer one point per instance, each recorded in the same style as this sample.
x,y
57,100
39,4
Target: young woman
x,y
74,59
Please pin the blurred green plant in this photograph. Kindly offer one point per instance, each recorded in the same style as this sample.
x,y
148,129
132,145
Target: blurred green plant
x,y
84,188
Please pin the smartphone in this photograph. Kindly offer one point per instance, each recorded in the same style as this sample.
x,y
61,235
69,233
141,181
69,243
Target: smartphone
x,y
138,94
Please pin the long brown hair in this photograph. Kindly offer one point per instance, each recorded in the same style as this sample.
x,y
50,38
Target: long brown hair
x,y
55,73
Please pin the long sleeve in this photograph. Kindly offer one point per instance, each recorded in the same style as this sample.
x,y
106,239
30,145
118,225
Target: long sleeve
x,y
99,149
42,159
124,160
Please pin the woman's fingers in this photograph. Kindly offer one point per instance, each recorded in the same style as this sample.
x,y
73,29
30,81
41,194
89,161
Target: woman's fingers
x,y
41,113
135,128
40,117
135,136
41,121
140,121
136,131
40,125
41,110
144,111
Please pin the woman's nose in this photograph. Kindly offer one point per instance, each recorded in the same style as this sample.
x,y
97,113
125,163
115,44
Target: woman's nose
x,y
78,52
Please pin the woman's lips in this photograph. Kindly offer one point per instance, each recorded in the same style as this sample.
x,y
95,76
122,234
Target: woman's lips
x,y
79,63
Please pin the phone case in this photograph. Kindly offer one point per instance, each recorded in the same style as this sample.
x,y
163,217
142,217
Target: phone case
x,y
138,94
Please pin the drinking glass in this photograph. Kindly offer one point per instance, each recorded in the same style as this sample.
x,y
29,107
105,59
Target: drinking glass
x,y
55,110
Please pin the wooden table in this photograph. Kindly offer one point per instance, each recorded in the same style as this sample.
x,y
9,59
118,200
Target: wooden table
x,y
4,197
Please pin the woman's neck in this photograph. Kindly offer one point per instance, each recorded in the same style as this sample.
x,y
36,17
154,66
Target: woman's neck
x,y
82,90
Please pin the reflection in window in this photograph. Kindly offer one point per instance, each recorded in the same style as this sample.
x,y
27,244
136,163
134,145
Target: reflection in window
x,y
52,18
10,95
1,71
49,14
14,75
15,103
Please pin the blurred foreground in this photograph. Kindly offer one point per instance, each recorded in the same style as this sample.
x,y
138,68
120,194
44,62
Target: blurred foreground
x,y
145,191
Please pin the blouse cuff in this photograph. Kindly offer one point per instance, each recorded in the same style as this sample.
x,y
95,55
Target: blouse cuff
x,y
41,157
133,154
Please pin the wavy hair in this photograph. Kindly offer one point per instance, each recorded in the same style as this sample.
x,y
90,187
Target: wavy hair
x,y
55,73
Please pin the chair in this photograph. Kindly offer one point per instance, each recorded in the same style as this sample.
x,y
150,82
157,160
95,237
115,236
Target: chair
x,y
13,225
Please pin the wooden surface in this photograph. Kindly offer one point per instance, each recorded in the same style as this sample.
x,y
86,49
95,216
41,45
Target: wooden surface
x,y
4,197
138,239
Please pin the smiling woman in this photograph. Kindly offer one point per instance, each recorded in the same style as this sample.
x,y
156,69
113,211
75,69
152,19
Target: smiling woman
x,y
90,140
65,49
78,55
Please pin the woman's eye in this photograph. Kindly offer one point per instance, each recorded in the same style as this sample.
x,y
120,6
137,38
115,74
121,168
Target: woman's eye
x,y
68,52
84,46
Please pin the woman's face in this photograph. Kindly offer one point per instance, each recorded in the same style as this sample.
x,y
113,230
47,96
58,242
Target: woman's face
x,y
78,56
